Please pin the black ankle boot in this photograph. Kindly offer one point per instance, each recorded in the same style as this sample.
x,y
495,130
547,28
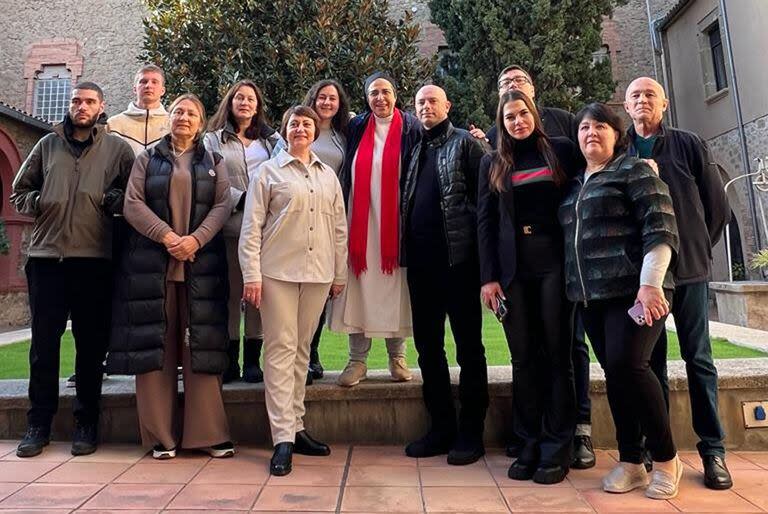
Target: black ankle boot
x,y
233,371
307,445
281,462
251,369
315,368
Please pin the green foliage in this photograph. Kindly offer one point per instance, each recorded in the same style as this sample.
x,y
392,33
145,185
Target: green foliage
x,y
760,260
285,46
552,39
5,243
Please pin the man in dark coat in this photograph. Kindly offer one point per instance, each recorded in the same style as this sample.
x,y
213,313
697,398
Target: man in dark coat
x,y
702,211
439,248
72,183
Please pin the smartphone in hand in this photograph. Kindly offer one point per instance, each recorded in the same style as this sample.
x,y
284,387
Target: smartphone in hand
x,y
637,314
501,308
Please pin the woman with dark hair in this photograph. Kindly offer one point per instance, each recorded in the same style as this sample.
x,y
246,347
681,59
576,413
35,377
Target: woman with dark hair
x,y
329,100
239,132
376,302
521,265
620,237
170,300
293,253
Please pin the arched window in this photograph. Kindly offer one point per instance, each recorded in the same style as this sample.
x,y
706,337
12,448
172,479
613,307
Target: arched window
x,y
52,87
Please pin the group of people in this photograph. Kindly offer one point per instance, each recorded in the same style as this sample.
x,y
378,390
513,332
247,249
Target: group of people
x,y
386,223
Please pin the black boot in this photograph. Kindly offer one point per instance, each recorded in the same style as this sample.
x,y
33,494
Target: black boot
x,y
315,368
233,371
251,369
280,464
306,445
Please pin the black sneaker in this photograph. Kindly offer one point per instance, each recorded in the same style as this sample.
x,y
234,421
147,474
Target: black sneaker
x,y
583,452
84,439
34,440
71,381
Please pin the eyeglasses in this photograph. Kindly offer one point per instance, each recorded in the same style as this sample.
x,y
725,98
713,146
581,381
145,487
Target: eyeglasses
x,y
519,81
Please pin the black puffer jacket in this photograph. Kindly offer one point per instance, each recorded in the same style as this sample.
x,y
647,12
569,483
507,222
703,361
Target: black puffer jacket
x,y
137,339
458,159
610,223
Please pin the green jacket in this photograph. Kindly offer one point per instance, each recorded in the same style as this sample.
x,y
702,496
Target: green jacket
x,y
73,199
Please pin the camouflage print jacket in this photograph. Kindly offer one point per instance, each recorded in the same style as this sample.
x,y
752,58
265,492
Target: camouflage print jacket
x,y
610,223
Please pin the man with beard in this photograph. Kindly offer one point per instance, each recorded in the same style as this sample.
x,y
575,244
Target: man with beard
x,y
71,183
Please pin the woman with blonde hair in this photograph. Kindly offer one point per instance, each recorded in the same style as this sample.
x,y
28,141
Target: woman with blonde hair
x,y
171,289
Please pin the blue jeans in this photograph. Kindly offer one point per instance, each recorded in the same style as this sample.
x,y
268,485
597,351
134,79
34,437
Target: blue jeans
x,y
690,310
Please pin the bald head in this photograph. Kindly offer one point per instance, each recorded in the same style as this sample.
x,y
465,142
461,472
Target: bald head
x,y
432,106
645,102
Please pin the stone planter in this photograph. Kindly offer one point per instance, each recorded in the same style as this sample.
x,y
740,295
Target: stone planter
x,y
742,303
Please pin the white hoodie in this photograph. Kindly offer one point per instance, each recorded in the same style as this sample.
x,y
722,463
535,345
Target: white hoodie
x,y
140,128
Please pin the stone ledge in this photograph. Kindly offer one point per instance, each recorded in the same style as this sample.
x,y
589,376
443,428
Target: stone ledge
x,y
120,390
751,286
379,411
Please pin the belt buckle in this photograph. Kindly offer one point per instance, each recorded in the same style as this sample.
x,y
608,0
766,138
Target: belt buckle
x,y
527,230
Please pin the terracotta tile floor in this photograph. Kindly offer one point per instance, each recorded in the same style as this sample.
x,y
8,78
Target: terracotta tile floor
x,y
355,480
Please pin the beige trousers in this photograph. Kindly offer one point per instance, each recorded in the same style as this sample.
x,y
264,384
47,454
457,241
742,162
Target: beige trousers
x,y
290,311
253,328
205,421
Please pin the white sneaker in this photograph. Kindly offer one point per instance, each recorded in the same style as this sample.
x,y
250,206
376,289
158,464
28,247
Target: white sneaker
x,y
398,368
664,486
625,477
221,451
160,453
353,373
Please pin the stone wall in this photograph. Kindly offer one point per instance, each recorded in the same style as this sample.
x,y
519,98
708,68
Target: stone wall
x,y
110,32
727,151
23,135
431,35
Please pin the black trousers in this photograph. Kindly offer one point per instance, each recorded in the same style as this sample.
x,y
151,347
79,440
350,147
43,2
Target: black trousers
x,y
538,331
436,292
80,289
634,392
580,355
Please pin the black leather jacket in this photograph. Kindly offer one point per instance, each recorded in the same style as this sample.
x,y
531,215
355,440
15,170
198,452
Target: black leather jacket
x,y
458,161
610,223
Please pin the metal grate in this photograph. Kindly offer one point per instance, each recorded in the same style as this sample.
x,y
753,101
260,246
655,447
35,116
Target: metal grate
x,y
52,89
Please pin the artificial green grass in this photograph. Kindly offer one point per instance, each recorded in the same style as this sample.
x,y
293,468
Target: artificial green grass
x,y
14,358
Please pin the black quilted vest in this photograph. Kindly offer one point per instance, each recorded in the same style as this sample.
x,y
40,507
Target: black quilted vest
x,y
137,339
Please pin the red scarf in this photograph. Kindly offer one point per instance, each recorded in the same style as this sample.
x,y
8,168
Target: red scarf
x,y
390,167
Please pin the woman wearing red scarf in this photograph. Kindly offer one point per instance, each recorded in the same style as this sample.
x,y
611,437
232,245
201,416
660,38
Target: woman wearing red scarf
x,y
375,302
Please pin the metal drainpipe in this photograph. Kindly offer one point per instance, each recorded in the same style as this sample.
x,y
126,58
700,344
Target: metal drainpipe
x,y
653,38
740,121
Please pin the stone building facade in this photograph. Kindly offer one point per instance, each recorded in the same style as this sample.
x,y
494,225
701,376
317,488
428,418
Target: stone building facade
x,y
100,37
701,87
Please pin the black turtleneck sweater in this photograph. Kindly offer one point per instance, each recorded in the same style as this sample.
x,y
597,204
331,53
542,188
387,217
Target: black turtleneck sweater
x,y
536,200
425,237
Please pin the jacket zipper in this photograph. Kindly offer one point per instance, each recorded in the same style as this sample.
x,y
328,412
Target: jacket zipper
x,y
146,130
68,214
187,264
576,243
